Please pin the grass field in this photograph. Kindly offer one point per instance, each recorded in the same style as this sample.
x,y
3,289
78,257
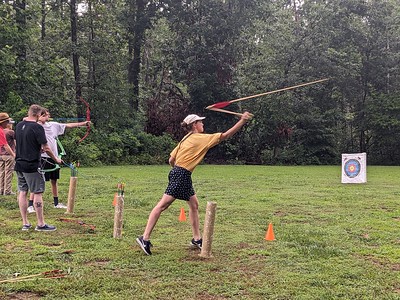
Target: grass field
x,y
333,240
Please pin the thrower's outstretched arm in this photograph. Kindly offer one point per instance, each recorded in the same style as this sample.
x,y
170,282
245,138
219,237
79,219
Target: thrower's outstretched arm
x,y
235,128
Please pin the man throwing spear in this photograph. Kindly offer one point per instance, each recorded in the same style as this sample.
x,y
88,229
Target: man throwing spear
x,y
184,158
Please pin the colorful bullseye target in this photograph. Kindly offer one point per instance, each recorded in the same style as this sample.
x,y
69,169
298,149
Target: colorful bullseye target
x,y
352,168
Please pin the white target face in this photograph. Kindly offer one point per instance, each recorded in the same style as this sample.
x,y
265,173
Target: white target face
x,y
354,168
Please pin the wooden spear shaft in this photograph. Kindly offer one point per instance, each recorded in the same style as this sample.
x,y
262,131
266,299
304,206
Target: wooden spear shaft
x,y
280,90
228,112
271,92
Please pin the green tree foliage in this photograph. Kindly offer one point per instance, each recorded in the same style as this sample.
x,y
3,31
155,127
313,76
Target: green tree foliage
x,y
144,65
8,34
384,112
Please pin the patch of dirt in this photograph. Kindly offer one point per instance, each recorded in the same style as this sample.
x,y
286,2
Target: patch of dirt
x,y
9,246
395,267
280,213
374,260
23,296
206,296
69,251
382,263
193,255
98,263
53,244
243,245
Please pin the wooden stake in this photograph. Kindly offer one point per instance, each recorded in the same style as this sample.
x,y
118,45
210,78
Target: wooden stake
x,y
208,231
118,219
71,194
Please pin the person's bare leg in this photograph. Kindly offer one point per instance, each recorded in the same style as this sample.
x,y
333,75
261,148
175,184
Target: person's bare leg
x,y
2,176
38,204
23,205
194,216
162,205
54,187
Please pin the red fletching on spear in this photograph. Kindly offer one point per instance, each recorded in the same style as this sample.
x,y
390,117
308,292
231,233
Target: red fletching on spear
x,y
219,105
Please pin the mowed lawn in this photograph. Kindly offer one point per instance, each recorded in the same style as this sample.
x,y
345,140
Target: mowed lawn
x,y
333,240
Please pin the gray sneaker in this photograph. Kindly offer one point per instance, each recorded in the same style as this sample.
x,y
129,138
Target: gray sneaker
x,y
45,227
26,227
60,205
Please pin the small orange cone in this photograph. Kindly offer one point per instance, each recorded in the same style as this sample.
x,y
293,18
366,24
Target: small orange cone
x,y
182,216
270,236
114,203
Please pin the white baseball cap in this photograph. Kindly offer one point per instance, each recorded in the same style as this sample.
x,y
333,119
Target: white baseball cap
x,y
192,118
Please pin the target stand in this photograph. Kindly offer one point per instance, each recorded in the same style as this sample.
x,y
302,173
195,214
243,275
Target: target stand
x,y
354,168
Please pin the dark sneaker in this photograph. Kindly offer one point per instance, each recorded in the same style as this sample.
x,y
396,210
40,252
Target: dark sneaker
x,y
45,227
26,227
196,244
145,245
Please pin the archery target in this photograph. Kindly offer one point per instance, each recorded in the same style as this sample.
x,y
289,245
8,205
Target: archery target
x,y
354,168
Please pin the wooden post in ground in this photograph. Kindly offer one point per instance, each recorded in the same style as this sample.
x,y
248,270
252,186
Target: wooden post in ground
x,y
118,220
71,194
208,231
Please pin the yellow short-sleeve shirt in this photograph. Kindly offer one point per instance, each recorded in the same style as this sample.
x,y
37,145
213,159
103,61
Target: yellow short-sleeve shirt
x,y
189,153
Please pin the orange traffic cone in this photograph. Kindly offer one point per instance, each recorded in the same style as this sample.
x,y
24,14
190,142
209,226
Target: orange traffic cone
x,y
270,236
114,203
182,216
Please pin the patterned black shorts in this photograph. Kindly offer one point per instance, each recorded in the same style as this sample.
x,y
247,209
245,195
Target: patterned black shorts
x,y
49,164
180,184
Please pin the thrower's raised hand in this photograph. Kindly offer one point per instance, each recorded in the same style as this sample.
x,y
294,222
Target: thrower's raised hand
x,y
246,116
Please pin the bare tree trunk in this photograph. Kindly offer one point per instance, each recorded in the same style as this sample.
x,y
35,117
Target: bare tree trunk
x,y
136,33
91,62
363,143
75,56
20,20
43,20
20,46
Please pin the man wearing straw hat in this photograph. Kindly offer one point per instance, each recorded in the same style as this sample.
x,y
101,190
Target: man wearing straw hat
x,y
4,121
31,140
7,155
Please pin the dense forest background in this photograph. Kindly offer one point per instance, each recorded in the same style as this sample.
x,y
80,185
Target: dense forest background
x,y
143,65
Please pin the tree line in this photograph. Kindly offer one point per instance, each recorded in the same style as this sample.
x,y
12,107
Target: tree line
x,y
142,66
